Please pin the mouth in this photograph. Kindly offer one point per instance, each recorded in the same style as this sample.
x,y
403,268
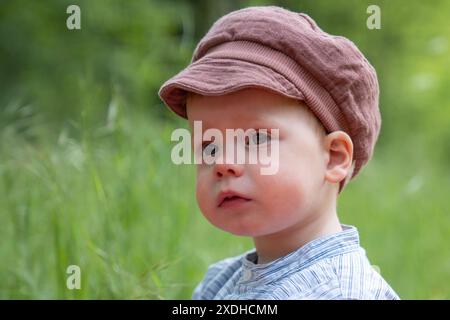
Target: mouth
x,y
231,199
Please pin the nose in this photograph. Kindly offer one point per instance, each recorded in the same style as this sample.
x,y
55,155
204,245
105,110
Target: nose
x,y
228,169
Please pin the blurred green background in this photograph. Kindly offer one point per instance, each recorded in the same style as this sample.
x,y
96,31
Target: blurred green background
x,y
85,170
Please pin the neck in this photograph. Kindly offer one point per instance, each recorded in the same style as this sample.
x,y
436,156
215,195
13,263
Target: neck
x,y
274,246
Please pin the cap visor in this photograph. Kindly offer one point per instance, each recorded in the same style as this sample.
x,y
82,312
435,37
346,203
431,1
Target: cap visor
x,y
218,76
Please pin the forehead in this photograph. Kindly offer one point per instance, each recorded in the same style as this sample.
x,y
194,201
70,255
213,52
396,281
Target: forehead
x,y
251,104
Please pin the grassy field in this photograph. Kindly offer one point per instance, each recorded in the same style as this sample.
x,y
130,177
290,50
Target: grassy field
x,y
110,201
85,172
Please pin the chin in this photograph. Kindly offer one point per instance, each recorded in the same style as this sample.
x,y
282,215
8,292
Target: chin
x,y
235,230
241,233
244,231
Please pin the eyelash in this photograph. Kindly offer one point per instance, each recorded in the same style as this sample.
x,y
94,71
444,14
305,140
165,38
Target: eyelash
x,y
206,143
267,133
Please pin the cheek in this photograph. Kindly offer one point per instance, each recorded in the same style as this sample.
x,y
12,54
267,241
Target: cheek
x,y
285,193
303,162
203,192
294,185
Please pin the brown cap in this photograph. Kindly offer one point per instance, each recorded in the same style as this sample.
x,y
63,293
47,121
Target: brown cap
x,y
272,48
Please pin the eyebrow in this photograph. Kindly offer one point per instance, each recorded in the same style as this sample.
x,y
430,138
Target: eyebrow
x,y
250,122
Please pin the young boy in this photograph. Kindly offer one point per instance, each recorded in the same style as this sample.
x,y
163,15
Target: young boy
x,y
315,97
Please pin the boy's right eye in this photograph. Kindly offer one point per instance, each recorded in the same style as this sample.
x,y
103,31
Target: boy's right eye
x,y
210,149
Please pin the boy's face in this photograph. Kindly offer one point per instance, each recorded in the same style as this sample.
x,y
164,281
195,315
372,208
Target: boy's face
x,y
288,198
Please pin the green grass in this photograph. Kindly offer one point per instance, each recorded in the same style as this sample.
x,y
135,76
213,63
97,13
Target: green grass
x,y
105,196
110,201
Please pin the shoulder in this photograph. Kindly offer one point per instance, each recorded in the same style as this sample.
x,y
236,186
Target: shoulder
x,y
358,279
216,276
349,276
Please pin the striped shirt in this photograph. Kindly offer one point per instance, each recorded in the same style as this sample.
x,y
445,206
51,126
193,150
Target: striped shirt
x,y
330,267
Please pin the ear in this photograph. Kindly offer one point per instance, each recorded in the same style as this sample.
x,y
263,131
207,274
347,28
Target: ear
x,y
339,149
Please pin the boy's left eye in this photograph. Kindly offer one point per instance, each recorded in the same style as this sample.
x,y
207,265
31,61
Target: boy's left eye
x,y
260,137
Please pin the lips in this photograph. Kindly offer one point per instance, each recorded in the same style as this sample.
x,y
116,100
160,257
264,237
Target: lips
x,y
227,198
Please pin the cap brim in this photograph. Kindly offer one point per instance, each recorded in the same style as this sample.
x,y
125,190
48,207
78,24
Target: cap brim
x,y
218,76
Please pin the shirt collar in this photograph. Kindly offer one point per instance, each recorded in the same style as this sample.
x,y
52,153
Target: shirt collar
x,y
321,248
